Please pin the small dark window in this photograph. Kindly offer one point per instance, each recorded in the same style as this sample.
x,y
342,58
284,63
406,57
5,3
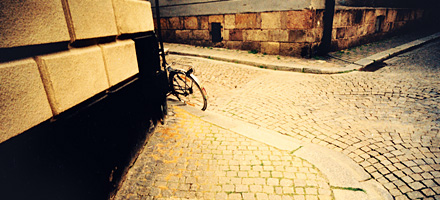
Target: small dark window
x,y
358,17
379,23
216,32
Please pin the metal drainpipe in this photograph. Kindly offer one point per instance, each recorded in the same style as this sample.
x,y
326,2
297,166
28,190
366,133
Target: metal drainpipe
x,y
326,40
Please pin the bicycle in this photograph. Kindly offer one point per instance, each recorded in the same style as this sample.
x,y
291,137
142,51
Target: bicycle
x,y
181,83
186,87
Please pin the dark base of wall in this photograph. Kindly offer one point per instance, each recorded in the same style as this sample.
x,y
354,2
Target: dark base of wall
x,y
84,154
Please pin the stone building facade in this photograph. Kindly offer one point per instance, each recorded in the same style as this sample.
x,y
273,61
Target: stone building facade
x,y
56,54
292,28
74,112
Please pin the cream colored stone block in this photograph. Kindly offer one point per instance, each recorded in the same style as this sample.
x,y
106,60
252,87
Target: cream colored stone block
x,y
256,35
229,21
277,35
91,18
72,76
32,22
271,20
23,100
272,48
120,61
133,16
191,23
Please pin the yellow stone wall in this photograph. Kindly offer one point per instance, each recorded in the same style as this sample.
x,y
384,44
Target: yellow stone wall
x,y
289,32
56,54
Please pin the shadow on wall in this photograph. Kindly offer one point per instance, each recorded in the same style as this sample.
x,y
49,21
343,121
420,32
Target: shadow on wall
x,y
82,155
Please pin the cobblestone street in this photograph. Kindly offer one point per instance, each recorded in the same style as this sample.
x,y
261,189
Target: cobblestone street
x,y
387,121
189,158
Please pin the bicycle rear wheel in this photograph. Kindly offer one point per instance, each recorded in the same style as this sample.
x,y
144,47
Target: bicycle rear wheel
x,y
188,89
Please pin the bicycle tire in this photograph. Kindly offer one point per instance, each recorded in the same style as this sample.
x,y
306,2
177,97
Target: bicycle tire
x,y
189,90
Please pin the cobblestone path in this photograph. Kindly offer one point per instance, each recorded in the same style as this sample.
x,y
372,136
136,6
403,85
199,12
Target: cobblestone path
x,y
387,121
189,158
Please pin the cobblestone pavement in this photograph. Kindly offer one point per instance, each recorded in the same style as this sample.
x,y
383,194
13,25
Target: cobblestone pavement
x,y
387,121
356,53
189,158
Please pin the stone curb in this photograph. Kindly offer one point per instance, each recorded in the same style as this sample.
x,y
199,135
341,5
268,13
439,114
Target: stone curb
x,y
384,55
340,170
267,65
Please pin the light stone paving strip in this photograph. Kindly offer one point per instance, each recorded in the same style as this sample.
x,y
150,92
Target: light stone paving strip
x,y
189,158
386,121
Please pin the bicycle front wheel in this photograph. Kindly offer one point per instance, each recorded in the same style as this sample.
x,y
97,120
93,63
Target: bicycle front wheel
x,y
188,89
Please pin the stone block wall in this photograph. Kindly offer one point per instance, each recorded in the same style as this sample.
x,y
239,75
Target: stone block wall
x,y
355,26
292,33
279,32
56,54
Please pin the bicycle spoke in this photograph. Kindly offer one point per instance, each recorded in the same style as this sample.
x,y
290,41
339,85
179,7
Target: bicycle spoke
x,y
188,91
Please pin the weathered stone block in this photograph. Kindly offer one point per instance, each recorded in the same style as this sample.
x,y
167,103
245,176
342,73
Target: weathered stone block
x,y
175,23
256,35
319,19
371,28
248,21
391,15
23,100
340,32
279,35
294,49
200,35
381,12
299,19
133,16
253,46
72,76
272,48
204,22
236,35
182,35
190,23
164,23
386,27
362,30
297,35
343,43
225,34
91,19
169,35
216,19
343,18
32,22
233,44
351,31
271,20
314,35
120,60
229,21
370,17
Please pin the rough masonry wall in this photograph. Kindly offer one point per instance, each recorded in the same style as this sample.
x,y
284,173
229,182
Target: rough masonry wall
x,y
280,32
355,26
291,33
56,54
